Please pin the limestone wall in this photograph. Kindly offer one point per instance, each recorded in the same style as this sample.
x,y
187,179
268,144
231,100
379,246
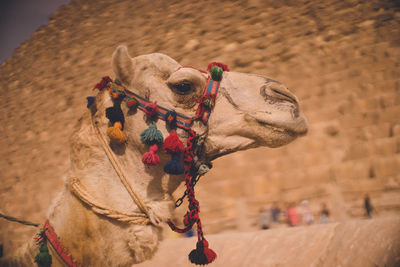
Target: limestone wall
x,y
341,58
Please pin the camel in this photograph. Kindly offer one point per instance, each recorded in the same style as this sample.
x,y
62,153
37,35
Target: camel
x,y
250,111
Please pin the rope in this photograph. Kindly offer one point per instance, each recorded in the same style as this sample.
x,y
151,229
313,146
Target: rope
x,y
80,191
13,219
118,170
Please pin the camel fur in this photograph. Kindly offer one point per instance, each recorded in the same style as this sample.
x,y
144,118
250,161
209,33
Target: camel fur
x,y
250,111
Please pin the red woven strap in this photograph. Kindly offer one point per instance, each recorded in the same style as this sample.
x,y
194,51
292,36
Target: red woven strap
x,y
62,251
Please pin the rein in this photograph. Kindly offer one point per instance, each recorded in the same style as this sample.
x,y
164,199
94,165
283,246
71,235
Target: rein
x,y
192,168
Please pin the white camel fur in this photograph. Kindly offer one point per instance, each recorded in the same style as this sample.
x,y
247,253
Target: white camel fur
x,y
250,111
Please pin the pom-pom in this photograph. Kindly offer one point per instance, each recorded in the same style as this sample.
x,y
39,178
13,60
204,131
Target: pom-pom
x,y
151,158
90,101
132,102
216,73
223,66
103,83
43,258
115,114
151,109
202,254
116,134
170,118
174,166
151,135
173,144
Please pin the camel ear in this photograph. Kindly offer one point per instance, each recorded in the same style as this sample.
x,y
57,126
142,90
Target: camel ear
x,y
122,65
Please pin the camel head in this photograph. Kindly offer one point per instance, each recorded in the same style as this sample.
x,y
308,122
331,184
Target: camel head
x,y
250,110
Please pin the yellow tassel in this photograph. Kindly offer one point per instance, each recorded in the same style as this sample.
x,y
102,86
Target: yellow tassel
x,y
116,134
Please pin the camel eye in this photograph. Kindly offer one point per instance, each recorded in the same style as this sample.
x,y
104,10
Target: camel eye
x,y
183,88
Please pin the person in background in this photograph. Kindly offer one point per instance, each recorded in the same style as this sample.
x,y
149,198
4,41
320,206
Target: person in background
x,y
306,214
368,206
275,213
264,219
292,215
324,214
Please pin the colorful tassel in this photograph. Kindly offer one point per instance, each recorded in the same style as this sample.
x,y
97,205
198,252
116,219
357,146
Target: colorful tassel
x,y
151,158
217,69
115,114
103,83
151,135
151,109
174,166
173,144
43,258
116,134
202,254
223,66
131,102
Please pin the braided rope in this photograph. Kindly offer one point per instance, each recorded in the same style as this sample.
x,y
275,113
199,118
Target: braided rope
x,y
81,192
192,216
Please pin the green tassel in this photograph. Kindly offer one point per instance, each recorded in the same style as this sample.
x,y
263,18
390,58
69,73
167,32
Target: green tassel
x,y
43,258
151,136
216,73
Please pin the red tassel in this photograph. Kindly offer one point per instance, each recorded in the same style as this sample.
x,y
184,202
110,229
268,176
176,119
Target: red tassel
x,y
103,83
219,64
151,109
172,144
208,252
150,158
202,254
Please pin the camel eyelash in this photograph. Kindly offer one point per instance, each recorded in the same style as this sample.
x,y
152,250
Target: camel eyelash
x,y
183,88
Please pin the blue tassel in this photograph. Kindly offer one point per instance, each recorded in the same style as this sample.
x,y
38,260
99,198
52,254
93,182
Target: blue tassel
x,y
174,166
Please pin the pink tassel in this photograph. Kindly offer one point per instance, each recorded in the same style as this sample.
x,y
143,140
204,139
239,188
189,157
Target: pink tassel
x,y
150,158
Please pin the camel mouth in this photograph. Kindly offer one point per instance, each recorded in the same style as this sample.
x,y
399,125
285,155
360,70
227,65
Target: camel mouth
x,y
296,129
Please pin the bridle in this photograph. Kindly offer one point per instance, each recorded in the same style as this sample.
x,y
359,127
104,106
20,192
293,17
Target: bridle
x,y
193,167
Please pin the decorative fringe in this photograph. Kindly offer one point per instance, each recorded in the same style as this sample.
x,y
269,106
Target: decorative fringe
x,y
151,158
151,109
115,114
103,83
173,144
174,166
223,66
217,69
116,134
132,103
43,258
116,117
202,254
151,135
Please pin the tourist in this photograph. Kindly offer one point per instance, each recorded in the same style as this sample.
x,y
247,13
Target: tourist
x,y
306,214
324,214
292,215
368,206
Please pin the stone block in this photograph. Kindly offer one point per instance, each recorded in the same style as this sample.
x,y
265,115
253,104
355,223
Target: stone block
x,y
386,166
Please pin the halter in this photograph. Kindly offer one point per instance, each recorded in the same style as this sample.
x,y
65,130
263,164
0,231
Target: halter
x,y
193,169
